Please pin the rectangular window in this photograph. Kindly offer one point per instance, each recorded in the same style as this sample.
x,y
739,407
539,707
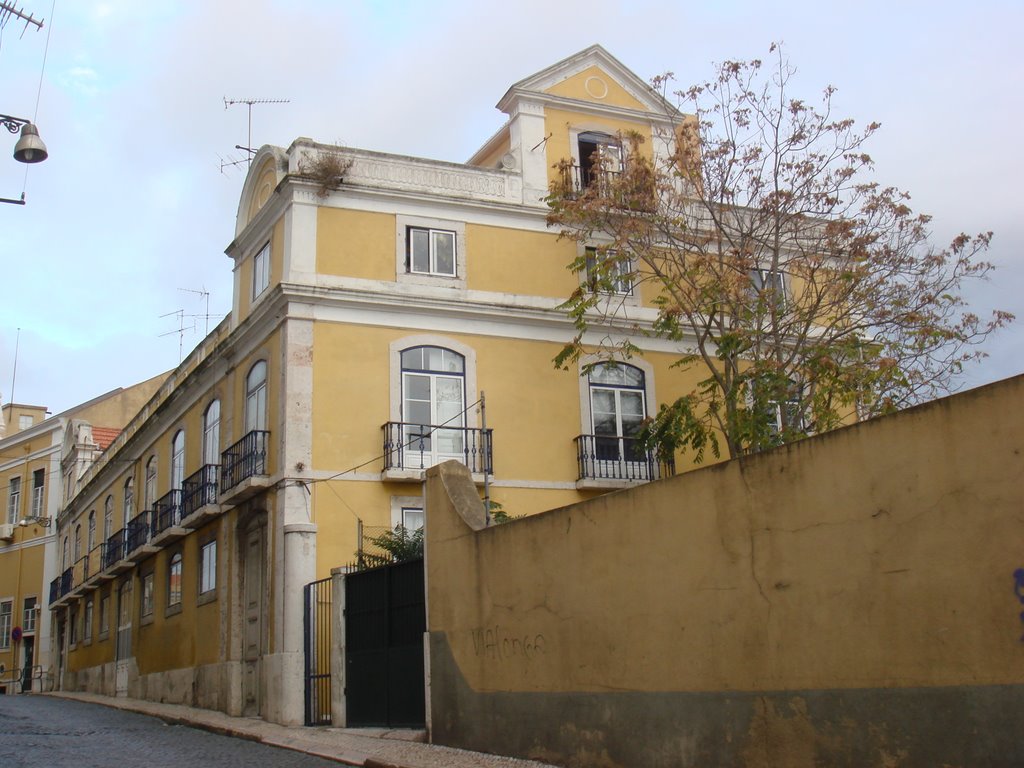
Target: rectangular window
x,y
104,614
412,518
6,609
147,595
431,251
14,500
28,622
261,271
608,272
208,567
73,626
38,479
174,581
24,421
87,621
770,284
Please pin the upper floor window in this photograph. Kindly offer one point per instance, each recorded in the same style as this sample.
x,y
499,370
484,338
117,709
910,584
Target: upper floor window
x,y
178,460
256,397
91,539
78,543
430,251
211,433
433,403
618,409
208,566
108,517
261,270
38,482
150,489
609,272
6,613
64,555
599,155
24,421
28,619
13,500
768,283
129,500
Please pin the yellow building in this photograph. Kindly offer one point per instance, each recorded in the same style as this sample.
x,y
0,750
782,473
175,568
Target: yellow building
x,y
389,313
33,445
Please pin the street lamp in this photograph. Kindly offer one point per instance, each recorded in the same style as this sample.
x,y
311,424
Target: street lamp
x,y
29,149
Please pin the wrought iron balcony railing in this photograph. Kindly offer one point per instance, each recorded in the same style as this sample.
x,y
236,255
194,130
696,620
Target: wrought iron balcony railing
x,y
419,446
617,457
246,458
115,548
54,590
199,489
94,560
138,532
61,585
166,512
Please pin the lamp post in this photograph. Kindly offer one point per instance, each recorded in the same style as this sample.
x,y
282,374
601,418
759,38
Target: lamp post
x,y
29,149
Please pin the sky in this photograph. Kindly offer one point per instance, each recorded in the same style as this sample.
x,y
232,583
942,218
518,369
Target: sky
x,y
105,270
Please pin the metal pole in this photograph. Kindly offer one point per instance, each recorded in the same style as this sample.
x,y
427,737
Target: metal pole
x,y
484,452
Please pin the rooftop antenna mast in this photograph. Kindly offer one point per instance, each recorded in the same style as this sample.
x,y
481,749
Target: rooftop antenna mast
x,y
249,103
205,294
180,330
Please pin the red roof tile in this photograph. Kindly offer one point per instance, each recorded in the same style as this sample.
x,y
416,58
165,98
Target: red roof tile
x,y
104,436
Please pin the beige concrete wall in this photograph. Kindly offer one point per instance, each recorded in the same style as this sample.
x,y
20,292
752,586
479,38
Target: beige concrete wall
x,y
847,600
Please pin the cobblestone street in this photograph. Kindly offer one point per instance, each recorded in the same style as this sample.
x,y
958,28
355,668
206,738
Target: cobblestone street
x,y
48,732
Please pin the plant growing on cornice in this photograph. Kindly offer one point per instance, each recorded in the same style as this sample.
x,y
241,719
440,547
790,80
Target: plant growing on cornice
x,y
327,167
804,292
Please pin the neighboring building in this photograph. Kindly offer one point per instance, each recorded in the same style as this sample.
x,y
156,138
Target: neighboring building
x,y
377,298
32,452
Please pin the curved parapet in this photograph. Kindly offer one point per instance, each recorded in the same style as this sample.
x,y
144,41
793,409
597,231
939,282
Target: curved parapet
x,y
268,169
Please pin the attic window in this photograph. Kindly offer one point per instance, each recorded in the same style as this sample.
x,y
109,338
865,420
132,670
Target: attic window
x,y
597,151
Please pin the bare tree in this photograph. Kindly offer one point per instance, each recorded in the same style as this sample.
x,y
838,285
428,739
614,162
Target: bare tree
x,y
808,294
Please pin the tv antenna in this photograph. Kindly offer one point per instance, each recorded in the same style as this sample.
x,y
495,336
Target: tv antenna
x,y
203,294
180,330
8,10
249,151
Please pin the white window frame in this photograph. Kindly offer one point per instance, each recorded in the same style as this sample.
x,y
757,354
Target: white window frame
x,y
622,277
586,415
90,540
433,238
211,433
6,622
759,278
404,275
104,622
38,489
146,595
87,621
29,614
128,501
176,564
178,460
25,421
261,271
255,417
13,500
400,505
108,516
208,567
150,485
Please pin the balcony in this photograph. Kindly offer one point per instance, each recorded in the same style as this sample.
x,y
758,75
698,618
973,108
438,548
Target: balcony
x,y
115,558
60,587
616,461
137,546
199,496
409,449
166,519
243,468
94,565
79,576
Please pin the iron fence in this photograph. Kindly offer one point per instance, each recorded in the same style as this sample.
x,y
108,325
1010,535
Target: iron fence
x,y
166,512
246,458
199,489
618,457
317,625
419,446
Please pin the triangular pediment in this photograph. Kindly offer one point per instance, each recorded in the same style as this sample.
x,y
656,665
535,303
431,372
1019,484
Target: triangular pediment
x,y
593,75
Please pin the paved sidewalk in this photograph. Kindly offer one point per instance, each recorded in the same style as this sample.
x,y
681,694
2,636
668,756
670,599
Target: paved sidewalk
x,y
371,748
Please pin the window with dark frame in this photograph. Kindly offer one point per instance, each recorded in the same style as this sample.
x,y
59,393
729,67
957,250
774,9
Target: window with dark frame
x,y
147,595
208,567
174,581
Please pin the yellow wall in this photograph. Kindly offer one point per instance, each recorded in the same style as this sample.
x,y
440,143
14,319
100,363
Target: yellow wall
x,y
576,87
558,123
355,244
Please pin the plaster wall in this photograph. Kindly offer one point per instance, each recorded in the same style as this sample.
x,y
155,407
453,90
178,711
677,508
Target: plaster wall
x,y
848,600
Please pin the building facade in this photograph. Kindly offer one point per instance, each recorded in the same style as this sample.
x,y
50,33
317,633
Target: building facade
x,y
34,447
389,313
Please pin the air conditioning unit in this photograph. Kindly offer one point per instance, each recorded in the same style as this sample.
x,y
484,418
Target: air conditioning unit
x,y
7,532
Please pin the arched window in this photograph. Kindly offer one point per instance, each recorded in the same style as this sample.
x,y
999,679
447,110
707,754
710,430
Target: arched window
x,y
256,397
129,501
178,460
433,404
108,517
211,433
78,543
617,409
174,580
150,489
64,555
91,538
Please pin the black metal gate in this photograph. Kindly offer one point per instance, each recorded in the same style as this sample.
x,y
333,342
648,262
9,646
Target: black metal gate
x,y
385,618
318,651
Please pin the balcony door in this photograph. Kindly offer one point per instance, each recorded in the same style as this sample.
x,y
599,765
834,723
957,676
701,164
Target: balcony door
x,y
124,637
618,408
433,406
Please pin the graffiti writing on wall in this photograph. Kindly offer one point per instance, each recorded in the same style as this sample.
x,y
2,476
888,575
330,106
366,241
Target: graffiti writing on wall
x,y
1018,589
501,644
